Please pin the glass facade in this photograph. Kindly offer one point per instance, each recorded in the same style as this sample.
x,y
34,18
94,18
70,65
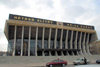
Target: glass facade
x,y
11,39
39,42
64,39
18,40
52,38
46,37
10,47
18,47
32,41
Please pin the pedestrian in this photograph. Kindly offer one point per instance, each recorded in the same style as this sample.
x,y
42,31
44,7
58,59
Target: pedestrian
x,y
85,60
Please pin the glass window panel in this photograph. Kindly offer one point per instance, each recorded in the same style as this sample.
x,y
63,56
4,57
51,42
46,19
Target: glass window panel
x,y
32,41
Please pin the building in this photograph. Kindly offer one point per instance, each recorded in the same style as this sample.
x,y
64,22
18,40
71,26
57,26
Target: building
x,y
95,47
29,36
3,53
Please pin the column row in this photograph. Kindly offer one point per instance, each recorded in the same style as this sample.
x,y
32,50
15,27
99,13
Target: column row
x,y
49,39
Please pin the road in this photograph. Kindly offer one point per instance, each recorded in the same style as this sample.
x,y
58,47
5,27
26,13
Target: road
x,y
89,65
27,65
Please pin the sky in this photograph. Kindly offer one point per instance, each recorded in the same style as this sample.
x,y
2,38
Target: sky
x,y
73,11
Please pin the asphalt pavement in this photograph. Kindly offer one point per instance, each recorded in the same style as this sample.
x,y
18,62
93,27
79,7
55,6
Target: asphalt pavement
x,y
30,65
25,65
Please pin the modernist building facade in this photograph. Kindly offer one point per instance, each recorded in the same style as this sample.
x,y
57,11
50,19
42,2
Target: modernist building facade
x,y
28,36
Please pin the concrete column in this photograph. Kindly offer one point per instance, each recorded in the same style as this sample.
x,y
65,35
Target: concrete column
x,y
55,40
83,44
66,41
71,40
71,44
29,41
80,44
49,40
36,41
43,41
76,40
49,53
61,40
13,54
87,44
67,53
22,41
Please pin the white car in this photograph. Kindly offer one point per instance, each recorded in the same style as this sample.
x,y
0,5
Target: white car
x,y
80,61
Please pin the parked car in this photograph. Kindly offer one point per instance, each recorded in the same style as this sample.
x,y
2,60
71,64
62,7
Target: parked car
x,y
81,61
98,61
57,63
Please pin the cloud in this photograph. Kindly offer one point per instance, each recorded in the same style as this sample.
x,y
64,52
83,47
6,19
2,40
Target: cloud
x,y
72,11
95,21
3,42
48,3
14,3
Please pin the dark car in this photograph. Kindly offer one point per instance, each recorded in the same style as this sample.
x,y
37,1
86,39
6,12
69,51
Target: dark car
x,y
57,63
98,61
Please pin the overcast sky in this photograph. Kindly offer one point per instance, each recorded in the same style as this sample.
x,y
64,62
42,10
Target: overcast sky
x,y
72,11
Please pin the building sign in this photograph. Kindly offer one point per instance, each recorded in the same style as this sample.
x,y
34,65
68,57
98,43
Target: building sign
x,y
38,20
31,19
